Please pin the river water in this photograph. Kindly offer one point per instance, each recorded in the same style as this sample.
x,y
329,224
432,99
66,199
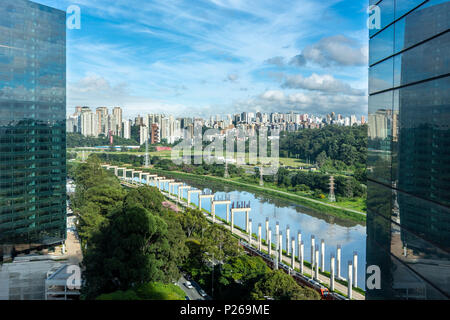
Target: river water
x,y
351,236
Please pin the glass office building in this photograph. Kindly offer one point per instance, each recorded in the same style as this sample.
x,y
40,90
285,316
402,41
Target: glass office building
x,y
408,222
32,124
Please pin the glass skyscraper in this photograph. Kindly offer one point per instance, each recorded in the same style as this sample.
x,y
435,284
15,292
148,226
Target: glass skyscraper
x,y
32,124
408,221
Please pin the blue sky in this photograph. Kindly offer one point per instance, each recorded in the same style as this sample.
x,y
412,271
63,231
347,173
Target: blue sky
x,y
206,57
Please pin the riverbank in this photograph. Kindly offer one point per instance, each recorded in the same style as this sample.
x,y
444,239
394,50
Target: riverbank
x,y
329,209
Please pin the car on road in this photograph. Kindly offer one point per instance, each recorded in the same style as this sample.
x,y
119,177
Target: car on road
x,y
202,293
188,285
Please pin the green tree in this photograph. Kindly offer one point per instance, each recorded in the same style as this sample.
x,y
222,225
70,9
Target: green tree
x,y
321,158
89,221
148,291
178,253
280,286
218,242
148,197
193,222
244,268
126,252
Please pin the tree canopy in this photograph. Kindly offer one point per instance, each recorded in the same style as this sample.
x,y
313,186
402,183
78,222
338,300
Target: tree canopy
x,y
338,143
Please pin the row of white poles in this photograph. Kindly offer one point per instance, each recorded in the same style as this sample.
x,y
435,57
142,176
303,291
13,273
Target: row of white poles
x,y
317,255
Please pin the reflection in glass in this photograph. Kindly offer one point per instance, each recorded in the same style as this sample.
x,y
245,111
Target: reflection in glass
x,y
381,77
32,126
408,223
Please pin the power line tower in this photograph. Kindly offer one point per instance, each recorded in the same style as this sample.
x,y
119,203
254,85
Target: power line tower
x,y
332,197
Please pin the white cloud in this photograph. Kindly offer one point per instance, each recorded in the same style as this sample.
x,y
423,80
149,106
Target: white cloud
x,y
317,103
336,50
273,95
277,61
232,77
325,83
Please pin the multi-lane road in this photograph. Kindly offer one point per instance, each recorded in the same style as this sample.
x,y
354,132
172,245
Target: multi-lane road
x,y
194,292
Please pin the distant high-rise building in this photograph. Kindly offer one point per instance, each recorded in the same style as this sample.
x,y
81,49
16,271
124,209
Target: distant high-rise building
x,y
408,195
347,121
154,134
89,123
32,125
185,122
117,127
72,124
126,125
102,120
77,111
143,134
138,121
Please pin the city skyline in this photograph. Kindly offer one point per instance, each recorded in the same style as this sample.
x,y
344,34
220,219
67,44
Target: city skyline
x,y
219,56
144,112
156,127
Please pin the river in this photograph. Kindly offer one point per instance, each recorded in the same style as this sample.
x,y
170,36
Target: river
x,y
350,235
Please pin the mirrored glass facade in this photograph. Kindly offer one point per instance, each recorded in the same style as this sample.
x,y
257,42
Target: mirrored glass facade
x,y
32,123
408,222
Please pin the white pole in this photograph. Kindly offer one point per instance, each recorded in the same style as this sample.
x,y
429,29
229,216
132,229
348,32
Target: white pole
x,y
313,248
332,273
259,237
338,260
316,273
301,256
288,231
280,247
247,217
269,242
293,253
349,288
267,230
322,255
276,258
355,269
277,235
